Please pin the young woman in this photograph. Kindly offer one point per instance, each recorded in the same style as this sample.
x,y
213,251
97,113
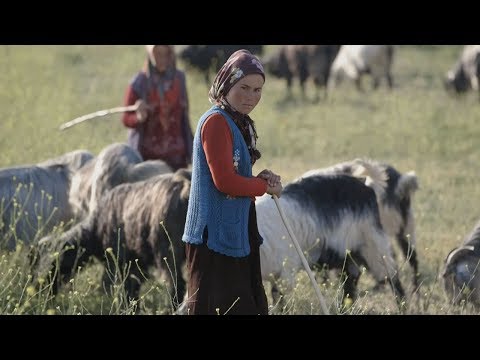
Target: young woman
x,y
221,234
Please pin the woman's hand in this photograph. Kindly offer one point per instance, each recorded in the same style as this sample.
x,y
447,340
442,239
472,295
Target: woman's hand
x,y
272,178
274,184
142,110
275,190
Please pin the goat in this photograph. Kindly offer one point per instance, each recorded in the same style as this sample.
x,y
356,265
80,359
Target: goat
x,y
116,164
394,192
465,74
139,223
353,61
460,273
336,220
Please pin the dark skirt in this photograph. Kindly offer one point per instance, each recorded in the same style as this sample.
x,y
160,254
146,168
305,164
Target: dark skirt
x,y
225,285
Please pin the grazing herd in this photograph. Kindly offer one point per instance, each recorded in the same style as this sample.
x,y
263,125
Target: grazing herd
x,y
120,209
328,65
131,213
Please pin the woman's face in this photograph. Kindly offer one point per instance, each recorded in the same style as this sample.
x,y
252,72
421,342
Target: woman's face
x,y
162,56
246,93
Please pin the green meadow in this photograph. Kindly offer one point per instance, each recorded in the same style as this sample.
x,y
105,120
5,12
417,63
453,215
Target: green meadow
x,y
415,127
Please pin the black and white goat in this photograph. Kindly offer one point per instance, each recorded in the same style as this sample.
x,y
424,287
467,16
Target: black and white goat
x,y
461,274
336,220
395,192
139,223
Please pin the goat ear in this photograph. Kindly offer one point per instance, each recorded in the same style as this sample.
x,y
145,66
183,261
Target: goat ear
x,y
407,184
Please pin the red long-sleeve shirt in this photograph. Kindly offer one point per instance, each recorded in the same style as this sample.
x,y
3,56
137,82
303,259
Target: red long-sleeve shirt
x,y
217,141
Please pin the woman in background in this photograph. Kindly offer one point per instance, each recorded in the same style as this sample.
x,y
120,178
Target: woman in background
x,y
160,127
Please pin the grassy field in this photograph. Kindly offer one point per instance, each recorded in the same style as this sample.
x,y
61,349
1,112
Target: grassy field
x,y
417,126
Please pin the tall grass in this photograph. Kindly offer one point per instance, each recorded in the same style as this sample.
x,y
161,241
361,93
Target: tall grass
x,y
417,126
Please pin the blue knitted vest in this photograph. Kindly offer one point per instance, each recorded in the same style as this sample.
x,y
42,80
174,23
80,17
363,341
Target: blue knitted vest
x,y
225,218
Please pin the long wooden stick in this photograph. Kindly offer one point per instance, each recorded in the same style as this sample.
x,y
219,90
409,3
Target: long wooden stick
x,y
96,114
302,257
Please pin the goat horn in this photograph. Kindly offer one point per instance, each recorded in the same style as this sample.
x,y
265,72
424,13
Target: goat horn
x,y
456,251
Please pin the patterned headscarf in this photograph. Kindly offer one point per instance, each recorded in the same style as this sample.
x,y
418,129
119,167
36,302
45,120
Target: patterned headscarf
x,y
240,64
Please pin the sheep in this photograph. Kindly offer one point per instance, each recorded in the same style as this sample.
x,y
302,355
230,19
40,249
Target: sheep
x,y
353,61
116,164
303,62
460,274
330,214
144,220
394,192
34,198
465,74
